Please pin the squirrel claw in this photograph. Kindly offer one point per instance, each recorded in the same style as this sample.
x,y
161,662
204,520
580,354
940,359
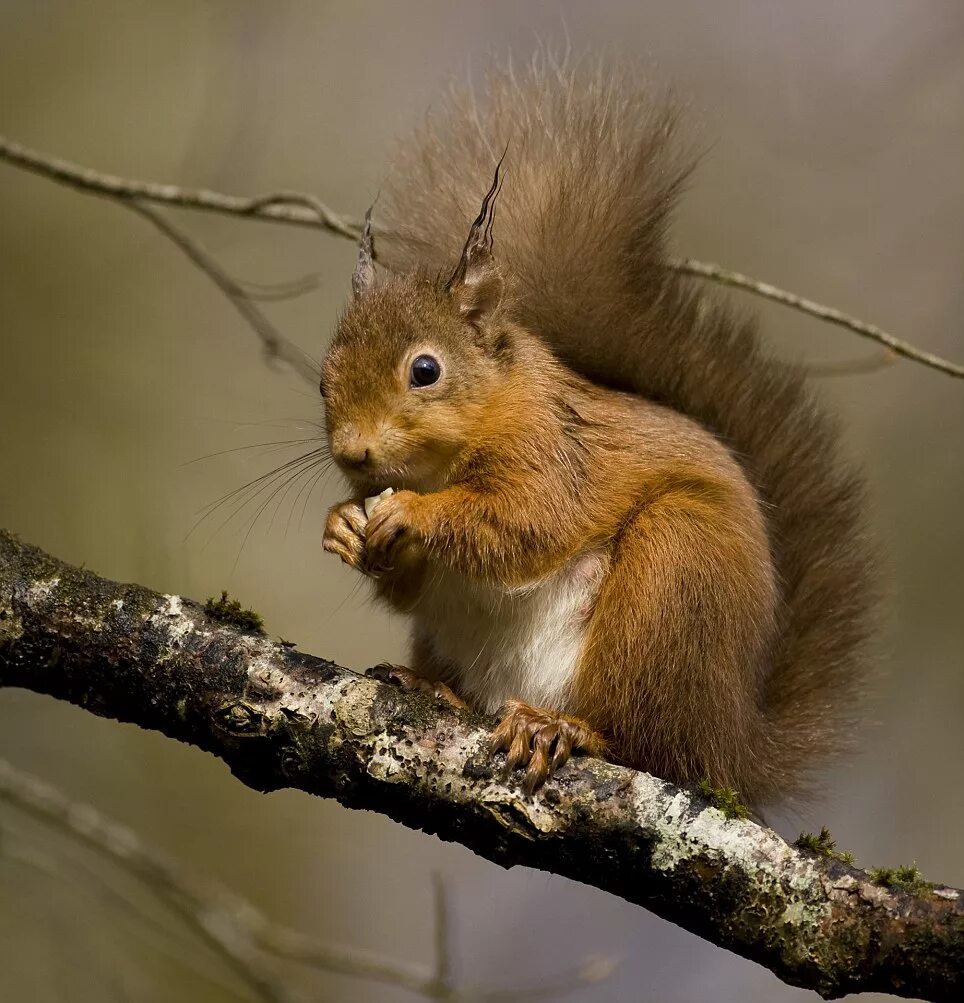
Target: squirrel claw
x,y
345,533
541,741
409,681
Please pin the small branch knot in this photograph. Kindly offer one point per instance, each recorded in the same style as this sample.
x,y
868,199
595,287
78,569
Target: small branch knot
x,y
240,719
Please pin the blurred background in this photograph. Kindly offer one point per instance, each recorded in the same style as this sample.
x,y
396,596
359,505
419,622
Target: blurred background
x,y
835,137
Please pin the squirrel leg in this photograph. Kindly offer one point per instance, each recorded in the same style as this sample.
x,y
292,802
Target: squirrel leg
x,y
541,741
676,637
411,681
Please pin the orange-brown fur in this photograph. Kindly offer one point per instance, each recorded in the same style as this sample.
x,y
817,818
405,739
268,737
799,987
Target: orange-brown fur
x,y
593,402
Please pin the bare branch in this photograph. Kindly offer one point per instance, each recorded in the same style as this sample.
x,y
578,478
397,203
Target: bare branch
x,y
238,931
278,207
222,920
289,945
884,358
276,291
276,345
727,277
590,972
281,718
307,210
233,926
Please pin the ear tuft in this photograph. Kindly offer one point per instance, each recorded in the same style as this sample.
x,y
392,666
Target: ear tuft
x,y
363,277
476,285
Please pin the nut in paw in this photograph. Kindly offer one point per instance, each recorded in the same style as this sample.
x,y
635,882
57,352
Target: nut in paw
x,y
391,536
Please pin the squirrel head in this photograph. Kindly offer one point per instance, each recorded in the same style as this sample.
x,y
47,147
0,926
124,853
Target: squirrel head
x,y
409,379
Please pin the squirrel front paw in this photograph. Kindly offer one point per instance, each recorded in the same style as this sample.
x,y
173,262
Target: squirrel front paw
x,y
345,533
391,537
541,741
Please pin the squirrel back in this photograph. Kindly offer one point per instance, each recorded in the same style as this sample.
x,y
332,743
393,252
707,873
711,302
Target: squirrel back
x,y
593,170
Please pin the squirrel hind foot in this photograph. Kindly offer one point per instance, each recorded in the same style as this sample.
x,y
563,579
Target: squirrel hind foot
x,y
412,682
541,741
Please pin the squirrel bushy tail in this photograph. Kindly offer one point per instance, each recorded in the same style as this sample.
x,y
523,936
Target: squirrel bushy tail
x,y
593,170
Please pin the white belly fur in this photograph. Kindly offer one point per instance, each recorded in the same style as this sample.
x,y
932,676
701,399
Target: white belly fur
x,y
523,643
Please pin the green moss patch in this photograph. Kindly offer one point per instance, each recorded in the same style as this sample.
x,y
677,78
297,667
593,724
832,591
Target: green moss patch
x,y
725,799
904,878
230,611
823,845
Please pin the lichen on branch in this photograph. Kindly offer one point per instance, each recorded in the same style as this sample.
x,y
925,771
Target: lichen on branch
x,y
281,718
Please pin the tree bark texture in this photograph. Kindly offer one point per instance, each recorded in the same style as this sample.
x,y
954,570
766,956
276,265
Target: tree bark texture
x,y
281,718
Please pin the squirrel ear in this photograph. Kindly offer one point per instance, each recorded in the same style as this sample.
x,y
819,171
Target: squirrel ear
x,y
476,284
363,277
479,293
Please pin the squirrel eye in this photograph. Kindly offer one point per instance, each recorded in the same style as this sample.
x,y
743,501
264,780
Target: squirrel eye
x,y
425,371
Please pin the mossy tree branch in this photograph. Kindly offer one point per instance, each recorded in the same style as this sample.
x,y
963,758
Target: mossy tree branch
x,y
280,718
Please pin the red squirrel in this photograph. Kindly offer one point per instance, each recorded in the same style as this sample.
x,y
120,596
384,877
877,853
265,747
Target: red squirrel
x,y
615,522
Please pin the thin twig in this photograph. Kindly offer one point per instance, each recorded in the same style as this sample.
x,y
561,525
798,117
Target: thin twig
x,y
727,277
279,207
235,927
882,359
305,209
238,931
217,917
341,225
289,945
276,345
590,972
276,291
82,875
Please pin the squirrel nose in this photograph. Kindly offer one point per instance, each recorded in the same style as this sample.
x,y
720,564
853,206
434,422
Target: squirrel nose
x,y
352,448
355,455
